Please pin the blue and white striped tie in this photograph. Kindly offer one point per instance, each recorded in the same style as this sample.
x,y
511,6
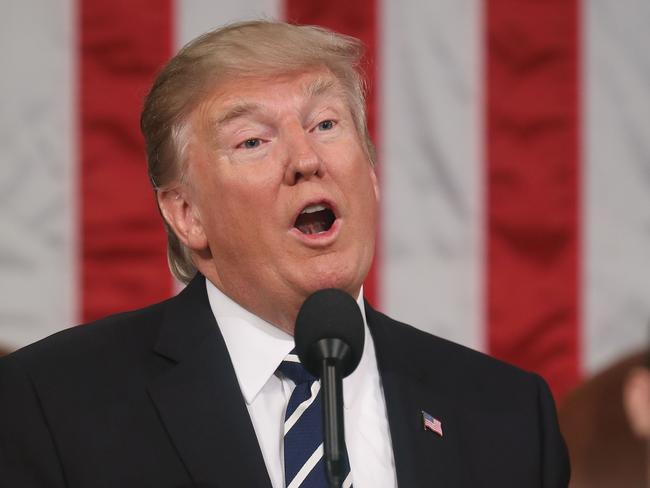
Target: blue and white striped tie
x,y
304,466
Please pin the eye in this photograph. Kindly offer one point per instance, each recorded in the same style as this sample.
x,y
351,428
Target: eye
x,y
250,143
326,125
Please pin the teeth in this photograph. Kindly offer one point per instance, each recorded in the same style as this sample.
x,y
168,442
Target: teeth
x,y
313,208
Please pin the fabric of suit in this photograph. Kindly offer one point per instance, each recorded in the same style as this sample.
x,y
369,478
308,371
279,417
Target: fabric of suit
x,y
150,399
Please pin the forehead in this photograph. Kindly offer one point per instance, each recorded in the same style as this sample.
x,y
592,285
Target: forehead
x,y
238,97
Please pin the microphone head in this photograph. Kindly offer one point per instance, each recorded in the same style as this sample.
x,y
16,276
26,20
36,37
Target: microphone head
x,y
329,314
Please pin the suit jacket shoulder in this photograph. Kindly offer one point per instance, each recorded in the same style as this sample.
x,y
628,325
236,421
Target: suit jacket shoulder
x,y
498,422
415,351
139,399
107,341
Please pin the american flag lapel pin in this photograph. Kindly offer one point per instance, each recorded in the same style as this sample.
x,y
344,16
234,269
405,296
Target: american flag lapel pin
x,y
431,423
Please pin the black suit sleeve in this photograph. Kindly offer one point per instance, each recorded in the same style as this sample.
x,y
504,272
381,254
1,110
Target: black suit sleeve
x,y
555,458
28,456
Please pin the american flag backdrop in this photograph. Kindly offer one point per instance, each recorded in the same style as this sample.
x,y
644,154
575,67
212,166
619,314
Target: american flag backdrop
x,y
514,160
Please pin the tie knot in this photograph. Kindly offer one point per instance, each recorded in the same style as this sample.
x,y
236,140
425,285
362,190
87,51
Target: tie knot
x,y
293,369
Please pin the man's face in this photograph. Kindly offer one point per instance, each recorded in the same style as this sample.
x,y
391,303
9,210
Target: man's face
x,y
283,192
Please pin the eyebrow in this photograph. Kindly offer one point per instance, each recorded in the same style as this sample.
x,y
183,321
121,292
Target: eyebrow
x,y
236,111
316,88
319,87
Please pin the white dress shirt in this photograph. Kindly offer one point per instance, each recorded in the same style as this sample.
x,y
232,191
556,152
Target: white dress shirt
x,y
257,348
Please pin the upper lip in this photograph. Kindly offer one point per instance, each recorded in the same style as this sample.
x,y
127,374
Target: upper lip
x,y
315,201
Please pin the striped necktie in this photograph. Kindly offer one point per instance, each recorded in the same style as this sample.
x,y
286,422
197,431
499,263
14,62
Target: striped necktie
x,y
304,466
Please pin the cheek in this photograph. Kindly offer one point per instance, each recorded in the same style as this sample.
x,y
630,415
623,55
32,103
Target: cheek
x,y
368,202
363,184
244,205
234,184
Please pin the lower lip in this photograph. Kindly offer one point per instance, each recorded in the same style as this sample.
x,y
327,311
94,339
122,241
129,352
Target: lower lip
x,y
322,238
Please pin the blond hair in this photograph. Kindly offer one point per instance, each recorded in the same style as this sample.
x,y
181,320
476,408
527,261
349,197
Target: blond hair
x,y
244,49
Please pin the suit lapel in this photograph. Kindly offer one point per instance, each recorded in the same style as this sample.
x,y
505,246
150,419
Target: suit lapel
x,y
410,383
199,400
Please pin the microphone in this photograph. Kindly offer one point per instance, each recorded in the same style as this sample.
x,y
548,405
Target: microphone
x,y
329,336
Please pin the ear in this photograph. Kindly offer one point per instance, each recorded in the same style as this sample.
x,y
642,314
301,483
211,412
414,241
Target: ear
x,y
636,400
181,214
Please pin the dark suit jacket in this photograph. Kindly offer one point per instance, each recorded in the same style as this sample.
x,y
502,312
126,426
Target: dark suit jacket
x,y
150,399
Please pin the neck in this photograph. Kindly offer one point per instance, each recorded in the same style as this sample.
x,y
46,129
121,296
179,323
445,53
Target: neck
x,y
279,309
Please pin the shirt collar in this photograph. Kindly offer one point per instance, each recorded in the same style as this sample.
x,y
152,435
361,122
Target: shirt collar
x,y
257,347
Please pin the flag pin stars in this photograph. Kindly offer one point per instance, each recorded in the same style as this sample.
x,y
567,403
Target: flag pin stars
x,y
431,423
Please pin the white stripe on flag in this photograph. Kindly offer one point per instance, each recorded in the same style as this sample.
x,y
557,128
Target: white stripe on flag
x,y
195,17
616,179
431,166
38,248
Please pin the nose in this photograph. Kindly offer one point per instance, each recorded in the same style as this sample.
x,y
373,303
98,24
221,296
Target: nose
x,y
303,160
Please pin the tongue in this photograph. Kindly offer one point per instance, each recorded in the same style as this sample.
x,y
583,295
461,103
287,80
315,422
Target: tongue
x,y
316,222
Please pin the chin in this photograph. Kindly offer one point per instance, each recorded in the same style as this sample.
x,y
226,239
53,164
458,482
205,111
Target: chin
x,y
332,277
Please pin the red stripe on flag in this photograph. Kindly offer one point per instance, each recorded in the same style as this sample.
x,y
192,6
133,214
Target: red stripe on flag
x,y
533,186
358,19
123,44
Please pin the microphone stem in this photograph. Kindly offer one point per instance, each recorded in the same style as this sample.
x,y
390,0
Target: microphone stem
x,y
333,428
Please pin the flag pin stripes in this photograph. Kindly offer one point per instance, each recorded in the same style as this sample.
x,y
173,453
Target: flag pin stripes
x,y
431,423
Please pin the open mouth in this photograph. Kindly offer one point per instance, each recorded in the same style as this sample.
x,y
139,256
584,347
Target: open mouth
x,y
315,219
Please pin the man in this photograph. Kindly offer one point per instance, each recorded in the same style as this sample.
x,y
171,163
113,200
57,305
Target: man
x,y
608,440
636,401
259,154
